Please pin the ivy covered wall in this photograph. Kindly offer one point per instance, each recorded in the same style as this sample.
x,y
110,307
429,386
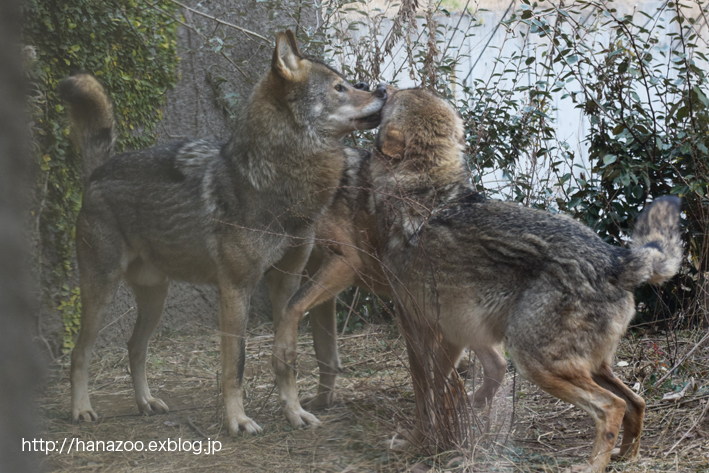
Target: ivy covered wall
x,y
172,73
133,51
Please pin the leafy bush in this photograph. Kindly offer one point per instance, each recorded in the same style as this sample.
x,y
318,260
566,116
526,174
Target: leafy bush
x,y
646,104
132,51
648,109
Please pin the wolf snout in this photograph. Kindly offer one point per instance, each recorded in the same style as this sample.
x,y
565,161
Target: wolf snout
x,y
381,91
362,86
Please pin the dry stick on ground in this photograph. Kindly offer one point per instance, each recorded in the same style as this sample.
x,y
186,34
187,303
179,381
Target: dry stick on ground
x,y
195,428
696,422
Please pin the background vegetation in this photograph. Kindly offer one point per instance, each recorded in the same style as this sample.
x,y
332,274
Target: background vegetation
x,y
132,50
646,103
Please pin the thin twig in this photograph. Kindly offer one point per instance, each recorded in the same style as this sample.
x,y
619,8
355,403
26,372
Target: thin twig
x,y
221,22
669,372
514,403
204,38
355,299
195,428
696,422
117,319
450,40
489,39
137,35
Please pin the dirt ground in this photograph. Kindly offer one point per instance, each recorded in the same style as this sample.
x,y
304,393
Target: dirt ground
x,y
526,430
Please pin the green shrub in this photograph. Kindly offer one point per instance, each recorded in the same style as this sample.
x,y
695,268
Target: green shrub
x,y
132,50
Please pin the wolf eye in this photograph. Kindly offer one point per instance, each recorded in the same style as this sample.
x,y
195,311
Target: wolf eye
x,y
340,88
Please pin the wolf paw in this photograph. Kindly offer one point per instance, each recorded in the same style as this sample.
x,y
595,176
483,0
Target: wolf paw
x,y
299,417
84,415
245,425
152,405
616,456
627,456
400,442
405,439
479,399
319,401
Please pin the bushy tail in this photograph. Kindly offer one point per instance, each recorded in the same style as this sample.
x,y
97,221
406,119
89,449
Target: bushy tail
x,y
93,127
657,247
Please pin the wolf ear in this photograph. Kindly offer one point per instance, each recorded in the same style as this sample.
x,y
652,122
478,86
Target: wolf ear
x,y
394,144
286,56
293,43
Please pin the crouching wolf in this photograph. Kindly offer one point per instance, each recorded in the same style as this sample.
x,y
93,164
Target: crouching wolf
x,y
479,272
207,212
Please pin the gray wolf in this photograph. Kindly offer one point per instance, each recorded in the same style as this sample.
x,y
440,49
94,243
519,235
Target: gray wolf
x,y
479,272
212,213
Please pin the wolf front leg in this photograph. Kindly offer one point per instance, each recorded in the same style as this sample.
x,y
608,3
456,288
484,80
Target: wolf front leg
x,y
323,322
283,280
150,301
334,275
233,317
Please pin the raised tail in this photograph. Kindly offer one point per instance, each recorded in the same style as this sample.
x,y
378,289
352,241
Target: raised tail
x,y
93,127
656,251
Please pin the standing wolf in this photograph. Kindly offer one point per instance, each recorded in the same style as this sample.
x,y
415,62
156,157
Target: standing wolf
x,y
466,272
482,272
209,213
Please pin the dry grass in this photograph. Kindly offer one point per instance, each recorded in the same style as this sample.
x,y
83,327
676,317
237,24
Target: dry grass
x,y
374,397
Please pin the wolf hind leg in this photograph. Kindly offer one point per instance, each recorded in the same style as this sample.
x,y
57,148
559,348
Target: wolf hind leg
x,y
576,386
324,325
99,274
494,369
151,301
634,413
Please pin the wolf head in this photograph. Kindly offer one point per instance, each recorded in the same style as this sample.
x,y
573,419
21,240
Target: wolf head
x,y
420,142
419,127
317,95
